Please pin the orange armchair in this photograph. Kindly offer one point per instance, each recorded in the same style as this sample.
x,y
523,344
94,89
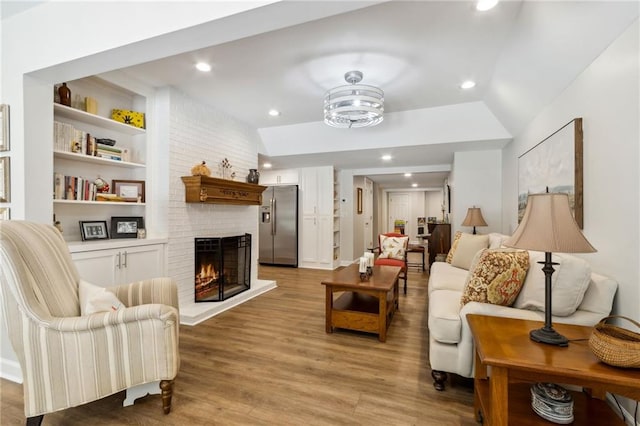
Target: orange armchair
x,y
392,251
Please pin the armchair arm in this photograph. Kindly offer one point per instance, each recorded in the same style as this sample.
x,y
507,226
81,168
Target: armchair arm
x,y
101,320
157,290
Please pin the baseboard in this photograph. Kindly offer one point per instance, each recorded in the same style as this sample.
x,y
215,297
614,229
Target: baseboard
x,y
10,370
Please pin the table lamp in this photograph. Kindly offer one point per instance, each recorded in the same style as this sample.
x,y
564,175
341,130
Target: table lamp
x,y
549,226
474,218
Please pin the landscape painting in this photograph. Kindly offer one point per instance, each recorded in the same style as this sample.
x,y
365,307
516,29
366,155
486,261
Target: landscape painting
x,y
554,165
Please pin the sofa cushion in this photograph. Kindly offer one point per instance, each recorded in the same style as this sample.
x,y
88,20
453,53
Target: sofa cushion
x,y
393,247
496,240
444,316
569,283
468,246
496,276
443,276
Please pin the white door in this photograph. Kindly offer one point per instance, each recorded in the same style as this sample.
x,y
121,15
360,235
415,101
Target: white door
x,y
367,212
398,209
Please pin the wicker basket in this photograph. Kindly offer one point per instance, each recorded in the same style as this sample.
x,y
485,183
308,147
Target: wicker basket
x,y
615,345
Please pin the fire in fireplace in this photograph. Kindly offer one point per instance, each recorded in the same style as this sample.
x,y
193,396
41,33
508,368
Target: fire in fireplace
x,y
222,267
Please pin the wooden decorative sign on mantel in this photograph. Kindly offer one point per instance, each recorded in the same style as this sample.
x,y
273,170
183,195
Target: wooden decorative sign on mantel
x,y
208,190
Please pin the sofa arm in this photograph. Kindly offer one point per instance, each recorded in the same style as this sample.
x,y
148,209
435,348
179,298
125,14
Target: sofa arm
x,y
157,290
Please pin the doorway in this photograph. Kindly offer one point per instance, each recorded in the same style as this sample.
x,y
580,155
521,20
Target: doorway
x,y
398,212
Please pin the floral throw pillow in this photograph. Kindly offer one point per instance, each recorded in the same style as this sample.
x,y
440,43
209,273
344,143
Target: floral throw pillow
x,y
454,246
496,276
393,247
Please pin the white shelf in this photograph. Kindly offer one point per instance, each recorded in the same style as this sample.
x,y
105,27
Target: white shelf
x,y
102,203
96,160
96,120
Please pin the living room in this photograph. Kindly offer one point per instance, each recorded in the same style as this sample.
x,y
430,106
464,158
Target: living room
x,y
604,94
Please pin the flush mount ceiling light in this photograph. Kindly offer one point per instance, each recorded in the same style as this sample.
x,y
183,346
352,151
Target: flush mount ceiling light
x,y
468,84
203,66
386,157
353,105
483,5
274,112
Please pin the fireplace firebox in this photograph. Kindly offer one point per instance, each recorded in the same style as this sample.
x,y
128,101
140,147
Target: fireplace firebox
x,y
222,267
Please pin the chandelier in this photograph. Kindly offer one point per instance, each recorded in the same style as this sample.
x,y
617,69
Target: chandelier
x,y
353,105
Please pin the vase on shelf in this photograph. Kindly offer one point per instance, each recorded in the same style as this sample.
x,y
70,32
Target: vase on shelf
x,y
253,176
65,94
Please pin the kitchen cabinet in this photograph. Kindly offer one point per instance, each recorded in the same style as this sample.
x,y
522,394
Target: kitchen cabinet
x,y
279,177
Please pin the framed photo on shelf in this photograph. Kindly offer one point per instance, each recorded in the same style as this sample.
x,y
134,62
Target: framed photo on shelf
x,y
4,132
130,190
126,226
5,213
94,230
5,180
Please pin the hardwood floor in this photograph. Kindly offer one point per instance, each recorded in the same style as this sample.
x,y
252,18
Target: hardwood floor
x,y
269,361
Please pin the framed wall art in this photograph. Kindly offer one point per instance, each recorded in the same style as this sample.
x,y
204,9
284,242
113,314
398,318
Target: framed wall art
x,y
5,213
129,190
4,132
359,207
126,226
5,180
554,165
94,230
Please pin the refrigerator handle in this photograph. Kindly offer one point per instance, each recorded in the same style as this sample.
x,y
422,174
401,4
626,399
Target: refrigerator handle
x,y
274,216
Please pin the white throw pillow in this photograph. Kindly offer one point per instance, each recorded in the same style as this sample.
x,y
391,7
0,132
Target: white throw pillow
x,y
94,299
468,246
393,247
496,240
569,283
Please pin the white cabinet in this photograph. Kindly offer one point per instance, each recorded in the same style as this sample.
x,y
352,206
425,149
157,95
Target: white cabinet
x,y
279,177
76,167
317,239
114,265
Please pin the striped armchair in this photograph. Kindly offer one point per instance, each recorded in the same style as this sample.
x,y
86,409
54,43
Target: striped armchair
x,y
68,359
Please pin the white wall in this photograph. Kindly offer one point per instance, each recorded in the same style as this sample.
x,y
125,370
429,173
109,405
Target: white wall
x,y
433,204
199,132
478,182
606,96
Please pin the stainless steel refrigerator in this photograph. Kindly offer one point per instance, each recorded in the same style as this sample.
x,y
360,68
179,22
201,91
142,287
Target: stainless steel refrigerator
x,y
278,227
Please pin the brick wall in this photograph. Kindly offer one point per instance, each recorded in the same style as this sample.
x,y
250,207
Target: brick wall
x,y
199,132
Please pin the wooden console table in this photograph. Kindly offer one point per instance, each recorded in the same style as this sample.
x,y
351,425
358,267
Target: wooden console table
x,y
439,239
363,305
502,398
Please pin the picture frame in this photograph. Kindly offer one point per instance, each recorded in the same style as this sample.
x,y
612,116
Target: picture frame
x,y
359,206
126,226
554,164
5,179
130,190
5,213
94,230
5,142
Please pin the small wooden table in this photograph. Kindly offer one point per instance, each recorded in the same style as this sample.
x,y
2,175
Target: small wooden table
x,y
504,344
363,305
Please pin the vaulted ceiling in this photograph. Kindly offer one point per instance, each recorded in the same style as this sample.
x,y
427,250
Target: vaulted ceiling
x,y
521,54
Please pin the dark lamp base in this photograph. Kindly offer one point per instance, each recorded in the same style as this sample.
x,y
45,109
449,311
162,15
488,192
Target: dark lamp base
x,y
548,336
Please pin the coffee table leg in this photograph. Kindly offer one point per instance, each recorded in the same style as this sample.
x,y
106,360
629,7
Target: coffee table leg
x,y
328,308
382,316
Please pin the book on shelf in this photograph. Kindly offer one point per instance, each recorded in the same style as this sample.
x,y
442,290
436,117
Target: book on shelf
x,y
73,188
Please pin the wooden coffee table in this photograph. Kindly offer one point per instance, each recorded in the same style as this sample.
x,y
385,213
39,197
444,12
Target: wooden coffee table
x,y
502,398
363,305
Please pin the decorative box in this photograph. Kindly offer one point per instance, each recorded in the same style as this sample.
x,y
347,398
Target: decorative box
x,y
552,402
132,118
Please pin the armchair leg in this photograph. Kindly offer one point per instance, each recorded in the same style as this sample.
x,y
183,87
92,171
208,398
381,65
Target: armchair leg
x,y
35,421
405,285
167,393
439,378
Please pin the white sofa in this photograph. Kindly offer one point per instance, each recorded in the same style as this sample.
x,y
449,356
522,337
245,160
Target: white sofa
x,y
450,342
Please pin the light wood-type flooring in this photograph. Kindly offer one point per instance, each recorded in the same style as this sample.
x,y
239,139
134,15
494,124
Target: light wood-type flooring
x,y
270,362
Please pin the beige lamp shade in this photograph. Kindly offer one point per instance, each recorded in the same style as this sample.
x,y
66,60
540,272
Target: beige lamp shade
x,y
549,226
474,217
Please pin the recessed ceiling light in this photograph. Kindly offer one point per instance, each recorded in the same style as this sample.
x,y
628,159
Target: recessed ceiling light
x,y
386,157
274,112
468,84
407,175
267,165
415,185
483,5
203,66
